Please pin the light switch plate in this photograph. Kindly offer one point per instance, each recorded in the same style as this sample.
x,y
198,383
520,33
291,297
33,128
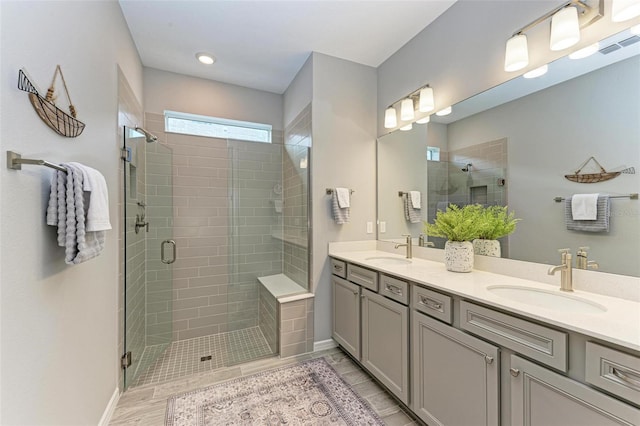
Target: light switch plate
x,y
383,227
369,227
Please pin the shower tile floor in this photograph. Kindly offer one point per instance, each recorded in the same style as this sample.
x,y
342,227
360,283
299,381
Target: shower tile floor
x,y
183,357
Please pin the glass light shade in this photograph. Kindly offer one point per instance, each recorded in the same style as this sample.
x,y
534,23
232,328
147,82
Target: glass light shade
x,y
565,29
587,51
205,58
516,55
426,103
635,29
424,120
390,120
407,127
623,10
537,72
445,111
406,110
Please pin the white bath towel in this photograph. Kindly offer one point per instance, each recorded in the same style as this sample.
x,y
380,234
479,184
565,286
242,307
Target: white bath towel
x,y
584,206
340,215
601,224
67,211
344,195
411,214
98,211
415,199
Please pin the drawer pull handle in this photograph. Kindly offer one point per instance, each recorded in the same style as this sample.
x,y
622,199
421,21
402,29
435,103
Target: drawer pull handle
x,y
337,267
514,372
620,375
488,359
393,289
433,305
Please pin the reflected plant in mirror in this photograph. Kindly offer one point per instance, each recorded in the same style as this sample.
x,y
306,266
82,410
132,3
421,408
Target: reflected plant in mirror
x,y
513,145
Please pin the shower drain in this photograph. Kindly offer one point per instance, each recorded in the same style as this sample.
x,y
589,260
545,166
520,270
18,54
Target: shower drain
x,y
205,358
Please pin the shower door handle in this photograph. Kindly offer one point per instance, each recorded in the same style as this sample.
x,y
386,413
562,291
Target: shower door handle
x,y
173,251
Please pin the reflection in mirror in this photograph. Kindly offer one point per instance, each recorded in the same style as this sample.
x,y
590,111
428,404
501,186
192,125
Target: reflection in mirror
x,y
521,138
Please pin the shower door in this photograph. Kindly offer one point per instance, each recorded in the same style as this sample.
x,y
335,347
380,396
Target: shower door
x,y
149,252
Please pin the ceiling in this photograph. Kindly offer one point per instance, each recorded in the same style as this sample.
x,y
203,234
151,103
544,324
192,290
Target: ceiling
x,y
263,44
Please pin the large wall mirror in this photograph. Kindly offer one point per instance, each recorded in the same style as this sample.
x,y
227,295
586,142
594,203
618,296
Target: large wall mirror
x,y
513,145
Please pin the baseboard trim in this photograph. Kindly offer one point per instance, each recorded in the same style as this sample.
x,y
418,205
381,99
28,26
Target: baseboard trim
x,y
324,345
111,407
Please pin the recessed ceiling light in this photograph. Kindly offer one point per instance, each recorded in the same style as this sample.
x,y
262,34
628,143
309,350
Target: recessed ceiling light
x,y
206,58
537,72
587,51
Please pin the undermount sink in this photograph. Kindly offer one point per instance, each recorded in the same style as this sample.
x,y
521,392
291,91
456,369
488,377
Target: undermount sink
x,y
388,260
548,299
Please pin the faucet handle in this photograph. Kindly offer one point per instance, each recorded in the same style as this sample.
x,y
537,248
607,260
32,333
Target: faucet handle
x,y
564,250
583,248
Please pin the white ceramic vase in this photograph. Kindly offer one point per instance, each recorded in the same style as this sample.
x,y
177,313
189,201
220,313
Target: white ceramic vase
x,y
458,256
487,247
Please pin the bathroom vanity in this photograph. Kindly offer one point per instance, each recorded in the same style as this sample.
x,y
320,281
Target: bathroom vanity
x,y
484,348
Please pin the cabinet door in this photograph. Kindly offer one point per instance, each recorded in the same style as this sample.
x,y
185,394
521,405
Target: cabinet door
x,y
346,315
540,397
385,345
455,375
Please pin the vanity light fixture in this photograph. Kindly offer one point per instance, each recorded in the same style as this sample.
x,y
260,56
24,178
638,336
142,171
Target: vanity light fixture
x,y
205,58
623,10
443,112
390,119
424,120
540,71
426,103
406,110
407,127
584,52
566,22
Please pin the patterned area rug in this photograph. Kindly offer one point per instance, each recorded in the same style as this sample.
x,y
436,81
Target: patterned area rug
x,y
307,393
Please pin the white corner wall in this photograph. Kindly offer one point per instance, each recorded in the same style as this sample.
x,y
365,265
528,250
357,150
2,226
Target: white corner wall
x,y
461,53
343,155
299,94
59,359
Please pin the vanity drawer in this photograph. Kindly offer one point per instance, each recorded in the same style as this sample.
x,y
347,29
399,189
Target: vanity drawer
x,y
535,341
339,268
394,288
614,371
431,303
363,276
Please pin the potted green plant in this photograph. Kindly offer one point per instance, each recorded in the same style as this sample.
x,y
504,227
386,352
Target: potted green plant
x,y
494,222
460,226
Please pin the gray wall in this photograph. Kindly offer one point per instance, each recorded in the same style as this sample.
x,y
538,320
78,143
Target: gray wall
x,y
59,323
550,133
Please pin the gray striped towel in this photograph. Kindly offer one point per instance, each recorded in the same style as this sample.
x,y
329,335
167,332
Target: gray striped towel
x,y
340,215
601,224
411,214
67,209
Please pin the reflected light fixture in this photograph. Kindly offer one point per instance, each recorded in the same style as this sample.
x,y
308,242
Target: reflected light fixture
x,y
444,111
586,51
424,120
426,102
623,10
635,29
205,58
517,54
407,127
390,120
566,21
565,29
540,71
406,110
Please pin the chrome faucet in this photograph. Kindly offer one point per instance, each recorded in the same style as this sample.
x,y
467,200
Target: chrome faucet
x,y
566,275
408,245
582,262
423,243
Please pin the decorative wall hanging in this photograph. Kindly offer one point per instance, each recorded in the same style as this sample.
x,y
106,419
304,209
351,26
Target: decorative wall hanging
x,y
596,177
61,122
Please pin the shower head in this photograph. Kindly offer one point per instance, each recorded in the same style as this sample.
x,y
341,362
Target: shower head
x,y
148,136
466,168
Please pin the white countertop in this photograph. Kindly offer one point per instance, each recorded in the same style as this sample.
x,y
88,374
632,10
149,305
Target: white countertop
x,y
619,325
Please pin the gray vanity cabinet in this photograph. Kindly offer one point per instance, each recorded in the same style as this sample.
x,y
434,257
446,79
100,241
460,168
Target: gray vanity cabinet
x,y
541,397
385,343
455,375
346,315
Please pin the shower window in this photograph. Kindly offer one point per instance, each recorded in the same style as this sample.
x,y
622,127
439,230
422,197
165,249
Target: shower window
x,y
214,127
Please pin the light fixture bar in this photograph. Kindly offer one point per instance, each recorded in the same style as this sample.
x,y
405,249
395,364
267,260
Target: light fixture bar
x,y
590,14
415,95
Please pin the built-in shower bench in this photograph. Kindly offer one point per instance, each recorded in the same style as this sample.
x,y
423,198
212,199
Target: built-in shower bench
x,y
286,315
